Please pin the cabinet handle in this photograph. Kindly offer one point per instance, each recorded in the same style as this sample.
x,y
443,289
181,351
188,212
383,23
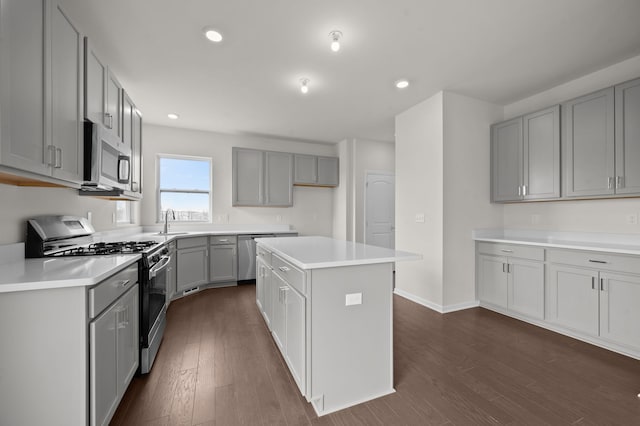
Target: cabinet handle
x,y
110,117
610,183
224,240
58,164
519,191
506,251
52,156
508,268
524,190
134,186
593,283
124,283
618,182
597,261
601,284
284,269
503,267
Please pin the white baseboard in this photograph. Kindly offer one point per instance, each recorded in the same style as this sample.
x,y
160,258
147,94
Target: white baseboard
x,y
434,306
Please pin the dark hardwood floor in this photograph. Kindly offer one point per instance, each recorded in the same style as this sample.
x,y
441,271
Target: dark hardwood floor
x,y
219,366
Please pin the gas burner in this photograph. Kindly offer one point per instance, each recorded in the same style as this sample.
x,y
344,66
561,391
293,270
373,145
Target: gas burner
x,y
103,248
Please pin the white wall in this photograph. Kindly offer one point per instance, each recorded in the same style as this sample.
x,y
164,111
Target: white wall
x,y
591,215
419,187
312,211
20,203
343,194
467,207
369,156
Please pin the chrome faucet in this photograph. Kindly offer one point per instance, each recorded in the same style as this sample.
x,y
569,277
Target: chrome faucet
x,y
166,220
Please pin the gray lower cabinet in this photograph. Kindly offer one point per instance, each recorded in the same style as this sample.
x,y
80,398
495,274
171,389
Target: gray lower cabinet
x,y
113,356
223,261
42,86
192,263
525,153
262,178
627,145
313,170
511,283
589,153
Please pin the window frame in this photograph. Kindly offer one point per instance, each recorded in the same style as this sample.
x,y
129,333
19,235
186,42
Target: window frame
x,y
159,217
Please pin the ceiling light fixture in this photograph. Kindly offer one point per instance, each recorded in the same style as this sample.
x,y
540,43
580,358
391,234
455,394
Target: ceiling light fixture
x,y
335,40
173,116
402,84
212,35
304,85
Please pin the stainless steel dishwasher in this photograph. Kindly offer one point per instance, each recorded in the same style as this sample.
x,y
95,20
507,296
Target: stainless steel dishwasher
x,y
247,256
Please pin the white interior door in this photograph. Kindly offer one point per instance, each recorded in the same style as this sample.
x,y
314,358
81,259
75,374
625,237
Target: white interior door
x,y
380,210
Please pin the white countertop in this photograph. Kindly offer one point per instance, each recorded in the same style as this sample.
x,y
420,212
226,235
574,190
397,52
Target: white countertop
x,y
20,274
48,273
592,241
323,252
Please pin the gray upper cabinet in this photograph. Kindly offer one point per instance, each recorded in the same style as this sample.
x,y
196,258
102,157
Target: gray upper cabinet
x,y
114,104
278,179
506,160
589,159
525,155
541,154
95,80
313,170
41,87
627,139
262,178
136,152
306,169
248,177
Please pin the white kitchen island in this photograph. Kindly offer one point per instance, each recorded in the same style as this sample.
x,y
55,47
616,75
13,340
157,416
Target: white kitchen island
x,y
328,305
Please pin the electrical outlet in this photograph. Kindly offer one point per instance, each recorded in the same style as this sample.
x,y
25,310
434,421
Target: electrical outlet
x,y
632,219
353,299
420,217
278,218
89,216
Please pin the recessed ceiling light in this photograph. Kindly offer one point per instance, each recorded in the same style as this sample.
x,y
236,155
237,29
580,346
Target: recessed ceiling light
x,y
402,84
173,116
212,35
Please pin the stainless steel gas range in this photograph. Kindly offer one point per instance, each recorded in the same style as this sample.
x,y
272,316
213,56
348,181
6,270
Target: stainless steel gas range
x,y
58,236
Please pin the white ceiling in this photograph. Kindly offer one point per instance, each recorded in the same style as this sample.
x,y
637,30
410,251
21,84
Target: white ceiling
x,y
496,50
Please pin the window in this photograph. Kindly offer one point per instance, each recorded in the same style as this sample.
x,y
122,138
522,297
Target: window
x,y
184,185
123,212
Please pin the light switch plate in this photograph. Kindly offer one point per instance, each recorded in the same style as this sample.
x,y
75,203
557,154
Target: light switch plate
x,y
353,299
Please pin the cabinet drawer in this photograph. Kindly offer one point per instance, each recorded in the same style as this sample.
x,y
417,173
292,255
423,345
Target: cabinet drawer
x,y
291,274
192,242
596,260
264,254
512,250
103,294
222,239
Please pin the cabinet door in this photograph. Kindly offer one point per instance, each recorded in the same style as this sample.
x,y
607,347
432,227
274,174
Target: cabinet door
x,y
22,89
66,97
526,287
328,171
628,137
541,171
492,280
95,80
260,284
278,288
588,124
223,265
136,152
114,104
192,268
267,302
127,120
619,313
306,169
103,364
506,160
278,179
572,298
127,337
248,177
295,335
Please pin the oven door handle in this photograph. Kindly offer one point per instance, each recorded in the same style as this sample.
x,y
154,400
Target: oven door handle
x,y
163,263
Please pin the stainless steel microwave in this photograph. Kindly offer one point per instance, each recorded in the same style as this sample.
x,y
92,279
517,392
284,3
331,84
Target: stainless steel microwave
x,y
107,161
